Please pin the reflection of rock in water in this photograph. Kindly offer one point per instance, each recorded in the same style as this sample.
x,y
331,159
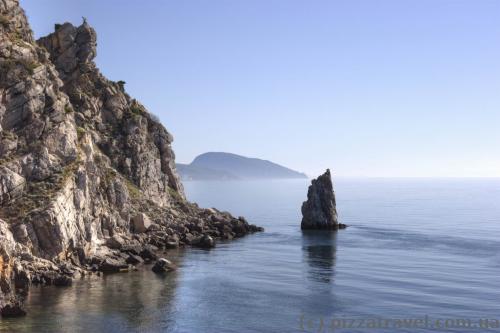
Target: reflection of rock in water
x,y
320,253
122,302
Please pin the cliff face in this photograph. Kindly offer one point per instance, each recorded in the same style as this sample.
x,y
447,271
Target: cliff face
x,y
37,139
87,174
137,145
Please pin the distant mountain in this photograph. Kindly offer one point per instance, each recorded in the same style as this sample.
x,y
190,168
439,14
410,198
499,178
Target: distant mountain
x,y
193,172
227,166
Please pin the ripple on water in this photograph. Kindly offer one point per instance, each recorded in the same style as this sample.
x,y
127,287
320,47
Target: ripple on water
x,y
414,248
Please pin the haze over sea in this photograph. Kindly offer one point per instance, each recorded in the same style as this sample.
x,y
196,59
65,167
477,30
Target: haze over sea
x,y
415,247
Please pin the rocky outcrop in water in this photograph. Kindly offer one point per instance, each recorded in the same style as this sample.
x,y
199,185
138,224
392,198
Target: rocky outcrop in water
x,y
319,211
87,174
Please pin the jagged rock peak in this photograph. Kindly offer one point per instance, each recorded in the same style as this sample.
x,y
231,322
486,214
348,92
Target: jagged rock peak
x,y
319,211
71,47
135,141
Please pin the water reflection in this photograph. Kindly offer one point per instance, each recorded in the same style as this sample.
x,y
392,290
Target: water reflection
x,y
128,302
319,248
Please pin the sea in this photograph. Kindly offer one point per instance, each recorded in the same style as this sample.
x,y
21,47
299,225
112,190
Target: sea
x,y
419,255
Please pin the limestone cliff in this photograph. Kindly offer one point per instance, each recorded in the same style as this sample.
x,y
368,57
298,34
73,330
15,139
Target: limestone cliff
x,y
87,174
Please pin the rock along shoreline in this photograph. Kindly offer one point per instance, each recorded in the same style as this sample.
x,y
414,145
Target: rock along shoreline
x,y
88,181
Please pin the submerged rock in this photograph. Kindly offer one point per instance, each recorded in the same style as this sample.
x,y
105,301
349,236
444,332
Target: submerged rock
x,y
162,266
319,211
63,281
206,242
13,309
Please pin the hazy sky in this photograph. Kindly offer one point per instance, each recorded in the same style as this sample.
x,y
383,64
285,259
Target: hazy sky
x,y
367,88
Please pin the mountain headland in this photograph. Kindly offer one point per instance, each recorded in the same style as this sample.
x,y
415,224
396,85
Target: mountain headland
x,y
227,166
87,175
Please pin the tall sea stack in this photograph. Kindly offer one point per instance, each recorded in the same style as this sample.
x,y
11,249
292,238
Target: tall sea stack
x,y
319,211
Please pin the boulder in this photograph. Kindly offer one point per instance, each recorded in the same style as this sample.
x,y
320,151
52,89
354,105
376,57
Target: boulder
x,y
115,242
13,309
141,223
319,211
190,239
110,265
239,227
131,248
206,242
148,254
254,228
134,259
163,265
171,243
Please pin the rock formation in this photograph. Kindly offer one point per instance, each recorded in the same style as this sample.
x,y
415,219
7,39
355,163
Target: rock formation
x,y
87,174
319,211
163,266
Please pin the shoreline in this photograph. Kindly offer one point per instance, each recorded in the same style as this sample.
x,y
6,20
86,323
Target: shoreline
x,y
126,252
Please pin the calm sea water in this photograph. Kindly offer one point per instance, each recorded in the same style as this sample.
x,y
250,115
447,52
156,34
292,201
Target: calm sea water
x,y
414,248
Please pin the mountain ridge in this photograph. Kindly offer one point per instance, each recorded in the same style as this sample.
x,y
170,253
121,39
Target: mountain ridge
x,y
230,166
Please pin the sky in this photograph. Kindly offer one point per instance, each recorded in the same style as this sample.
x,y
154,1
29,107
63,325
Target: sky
x,y
384,88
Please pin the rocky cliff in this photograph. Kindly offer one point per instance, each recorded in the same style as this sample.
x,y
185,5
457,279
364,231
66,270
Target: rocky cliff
x,y
87,174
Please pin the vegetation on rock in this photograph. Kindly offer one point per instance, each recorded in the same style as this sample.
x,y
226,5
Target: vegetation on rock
x,y
80,159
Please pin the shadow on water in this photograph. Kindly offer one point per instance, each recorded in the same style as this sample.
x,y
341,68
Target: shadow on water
x,y
319,248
